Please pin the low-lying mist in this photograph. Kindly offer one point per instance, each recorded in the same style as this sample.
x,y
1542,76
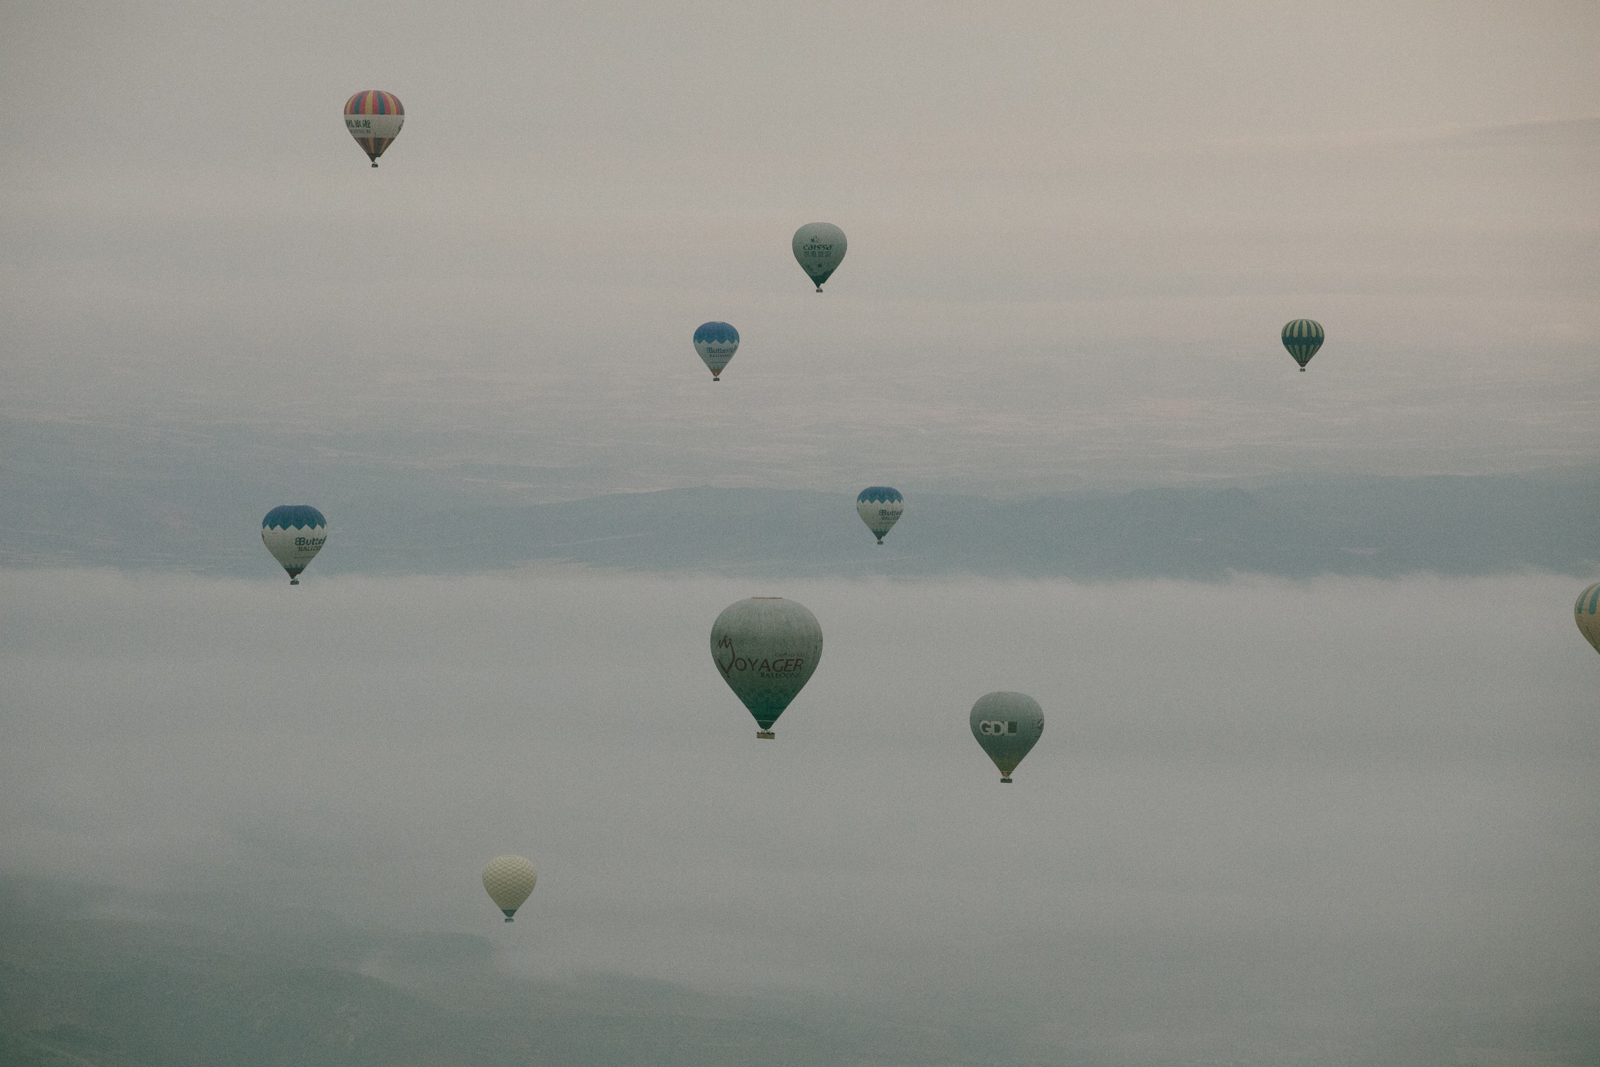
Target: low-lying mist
x,y
1264,817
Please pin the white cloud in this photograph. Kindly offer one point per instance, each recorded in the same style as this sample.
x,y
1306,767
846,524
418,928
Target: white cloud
x,y
1291,767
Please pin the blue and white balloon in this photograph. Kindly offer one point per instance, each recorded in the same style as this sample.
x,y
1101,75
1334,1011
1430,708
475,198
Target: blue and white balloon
x,y
294,534
880,507
716,342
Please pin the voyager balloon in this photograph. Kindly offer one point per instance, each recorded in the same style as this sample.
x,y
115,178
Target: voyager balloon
x,y
1587,612
766,649
508,881
1007,725
880,508
716,342
294,534
374,118
820,247
1302,338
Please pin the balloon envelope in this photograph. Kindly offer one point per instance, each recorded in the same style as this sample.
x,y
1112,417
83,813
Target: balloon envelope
x,y
716,342
880,507
294,534
508,881
1302,338
1007,726
374,118
820,248
1587,612
766,649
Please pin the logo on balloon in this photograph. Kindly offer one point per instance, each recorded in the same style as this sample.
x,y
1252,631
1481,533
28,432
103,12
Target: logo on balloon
x,y
766,668
309,542
990,727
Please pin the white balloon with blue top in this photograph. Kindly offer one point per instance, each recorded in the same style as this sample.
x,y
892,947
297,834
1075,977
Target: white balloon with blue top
x,y
716,342
294,534
880,507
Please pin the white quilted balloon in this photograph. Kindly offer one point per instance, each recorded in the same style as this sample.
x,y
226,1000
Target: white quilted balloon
x,y
509,880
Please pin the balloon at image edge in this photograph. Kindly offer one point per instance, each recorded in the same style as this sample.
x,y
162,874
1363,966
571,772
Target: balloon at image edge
x,y
374,118
1007,726
508,880
716,342
766,649
294,534
1587,614
819,247
1302,338
880,507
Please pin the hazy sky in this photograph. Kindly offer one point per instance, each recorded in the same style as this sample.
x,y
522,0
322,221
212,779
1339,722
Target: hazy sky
x,y
1074,235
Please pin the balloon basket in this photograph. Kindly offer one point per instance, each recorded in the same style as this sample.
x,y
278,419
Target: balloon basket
x,y
509,919
1005,781
1302,370
294,581
767,735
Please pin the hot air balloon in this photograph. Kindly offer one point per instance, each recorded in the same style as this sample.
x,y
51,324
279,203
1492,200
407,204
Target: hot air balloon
x,y
508,881
374,118
820,247
880,508
716,342
294,534
1302,338
766,649
1587,612
1007,725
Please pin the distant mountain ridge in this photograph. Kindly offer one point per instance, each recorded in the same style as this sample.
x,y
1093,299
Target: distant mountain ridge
x,y
1295,528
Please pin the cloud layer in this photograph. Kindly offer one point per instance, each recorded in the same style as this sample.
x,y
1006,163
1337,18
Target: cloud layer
x,y
1286,793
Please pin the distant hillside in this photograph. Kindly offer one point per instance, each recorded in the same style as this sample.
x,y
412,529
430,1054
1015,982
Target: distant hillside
x,y
189,983
1293,528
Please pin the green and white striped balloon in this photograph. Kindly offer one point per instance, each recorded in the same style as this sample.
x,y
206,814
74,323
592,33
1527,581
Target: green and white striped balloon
x,y
1302,338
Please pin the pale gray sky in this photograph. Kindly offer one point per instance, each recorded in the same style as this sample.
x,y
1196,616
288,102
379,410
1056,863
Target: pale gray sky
x,y
1074,236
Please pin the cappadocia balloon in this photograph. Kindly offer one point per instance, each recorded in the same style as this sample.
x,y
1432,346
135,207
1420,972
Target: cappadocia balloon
x,y
1321,782
509,880
294,534
766,648
374,118
1006,726
1302,338
1587,613
819,248
880,507
716,342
